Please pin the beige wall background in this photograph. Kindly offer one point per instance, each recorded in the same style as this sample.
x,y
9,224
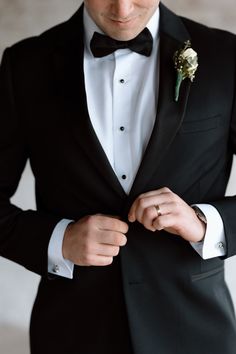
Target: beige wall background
x,y
23,18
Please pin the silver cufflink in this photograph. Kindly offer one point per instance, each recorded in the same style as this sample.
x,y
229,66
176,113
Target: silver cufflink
x,y
220,245
56,268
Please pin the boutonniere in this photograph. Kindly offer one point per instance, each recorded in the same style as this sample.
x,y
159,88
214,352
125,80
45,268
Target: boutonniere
x,y
186,64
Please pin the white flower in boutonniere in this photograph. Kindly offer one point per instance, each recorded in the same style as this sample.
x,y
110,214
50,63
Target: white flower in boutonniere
x,y
186,64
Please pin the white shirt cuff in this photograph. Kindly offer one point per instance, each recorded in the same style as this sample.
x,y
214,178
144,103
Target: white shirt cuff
x,y
214,243
57,264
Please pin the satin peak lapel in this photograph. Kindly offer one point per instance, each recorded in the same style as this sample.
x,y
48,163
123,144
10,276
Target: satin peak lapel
x,y
170,114
68,65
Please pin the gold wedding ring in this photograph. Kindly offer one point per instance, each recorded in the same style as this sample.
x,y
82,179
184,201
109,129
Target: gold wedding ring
x,y
158,209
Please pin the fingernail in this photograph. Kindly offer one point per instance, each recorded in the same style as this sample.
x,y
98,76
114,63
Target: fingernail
x,y
131,218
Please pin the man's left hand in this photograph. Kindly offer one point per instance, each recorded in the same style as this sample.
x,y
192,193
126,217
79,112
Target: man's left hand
x,y
164,210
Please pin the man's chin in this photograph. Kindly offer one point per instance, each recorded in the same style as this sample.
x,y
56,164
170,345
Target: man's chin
x,y
123,35
122,30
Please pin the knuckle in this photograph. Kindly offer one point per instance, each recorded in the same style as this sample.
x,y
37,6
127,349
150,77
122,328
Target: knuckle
x,y
90,220
148,212
140,196
159,225
141,203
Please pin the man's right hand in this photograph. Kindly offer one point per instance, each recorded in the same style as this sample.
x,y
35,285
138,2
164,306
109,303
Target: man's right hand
x,y
94,240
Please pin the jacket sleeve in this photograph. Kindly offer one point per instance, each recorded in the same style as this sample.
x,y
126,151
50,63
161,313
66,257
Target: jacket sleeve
x,y
24,235
227,206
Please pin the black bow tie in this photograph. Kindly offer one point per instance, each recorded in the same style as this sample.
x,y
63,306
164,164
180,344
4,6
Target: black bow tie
x,y
102,45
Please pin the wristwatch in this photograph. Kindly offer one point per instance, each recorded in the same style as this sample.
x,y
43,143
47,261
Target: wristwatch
x,y
201,216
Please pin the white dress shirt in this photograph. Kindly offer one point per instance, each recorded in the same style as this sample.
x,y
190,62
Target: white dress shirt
x,y
122,92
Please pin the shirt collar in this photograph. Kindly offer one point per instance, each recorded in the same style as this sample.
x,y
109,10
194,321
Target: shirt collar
x,y
90,26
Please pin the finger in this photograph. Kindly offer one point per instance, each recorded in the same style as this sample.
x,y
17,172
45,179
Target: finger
x,y
147,200
96,260
149,215
101,249
107,250
165,221
112,238
112,224
153,214
146,206
103,261
156,192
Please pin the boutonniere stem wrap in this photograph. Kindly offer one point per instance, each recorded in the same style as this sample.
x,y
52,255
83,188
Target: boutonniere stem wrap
x,y
186,64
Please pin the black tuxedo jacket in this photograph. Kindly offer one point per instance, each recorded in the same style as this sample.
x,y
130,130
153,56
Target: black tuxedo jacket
x,y
159,296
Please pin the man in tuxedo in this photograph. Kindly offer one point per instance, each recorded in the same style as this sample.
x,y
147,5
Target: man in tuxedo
x,y
132,225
